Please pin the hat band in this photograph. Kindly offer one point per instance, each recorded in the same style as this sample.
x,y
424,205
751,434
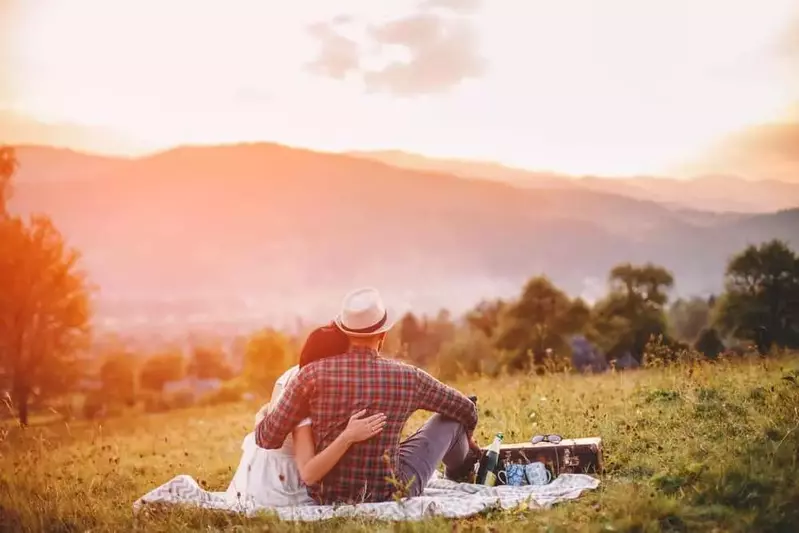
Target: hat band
x,y
374,327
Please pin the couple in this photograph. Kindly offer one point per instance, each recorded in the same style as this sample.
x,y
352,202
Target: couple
x,y
331,432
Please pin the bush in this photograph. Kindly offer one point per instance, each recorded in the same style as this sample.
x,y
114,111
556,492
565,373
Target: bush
x,y
93,405
469,353
154,402
660,352
709,343
180,399
231,392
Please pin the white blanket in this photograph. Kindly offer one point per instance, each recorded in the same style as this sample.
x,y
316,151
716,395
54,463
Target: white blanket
x,y
440,498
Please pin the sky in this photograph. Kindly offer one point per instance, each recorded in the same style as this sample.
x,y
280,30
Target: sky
x,y
612,87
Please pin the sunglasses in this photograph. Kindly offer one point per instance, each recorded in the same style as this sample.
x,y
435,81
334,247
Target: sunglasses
x,y
554,439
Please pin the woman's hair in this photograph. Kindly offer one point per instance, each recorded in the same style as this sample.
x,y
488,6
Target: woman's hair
x,y
324,341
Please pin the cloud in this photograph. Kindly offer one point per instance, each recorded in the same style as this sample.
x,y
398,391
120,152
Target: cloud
x,y
459,6
443,53
442,50
338,55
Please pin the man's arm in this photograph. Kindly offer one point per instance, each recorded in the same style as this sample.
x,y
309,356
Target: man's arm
x,y
288,411
434,396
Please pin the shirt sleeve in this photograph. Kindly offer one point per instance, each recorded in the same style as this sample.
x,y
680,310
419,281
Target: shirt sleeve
x,y
287,413
434,396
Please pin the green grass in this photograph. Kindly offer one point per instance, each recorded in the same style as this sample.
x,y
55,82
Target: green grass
x,y
710,447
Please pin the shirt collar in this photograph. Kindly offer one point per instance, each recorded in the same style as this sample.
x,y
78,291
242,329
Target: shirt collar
x,y
362,351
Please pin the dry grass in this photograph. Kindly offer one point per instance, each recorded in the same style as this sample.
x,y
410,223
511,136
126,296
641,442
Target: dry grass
x,y
688,448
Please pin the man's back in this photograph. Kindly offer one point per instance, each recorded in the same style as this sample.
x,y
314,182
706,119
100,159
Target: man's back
x,y
347,384
333,389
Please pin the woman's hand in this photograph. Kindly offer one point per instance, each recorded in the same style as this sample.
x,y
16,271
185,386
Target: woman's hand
x,y
359,429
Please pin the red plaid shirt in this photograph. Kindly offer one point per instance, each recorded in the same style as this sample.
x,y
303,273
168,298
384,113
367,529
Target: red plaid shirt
x,y
332,390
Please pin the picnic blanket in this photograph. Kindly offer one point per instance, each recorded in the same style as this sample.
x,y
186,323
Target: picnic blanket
x,y
441,497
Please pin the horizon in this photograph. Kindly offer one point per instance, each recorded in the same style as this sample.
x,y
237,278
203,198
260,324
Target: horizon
x,y
608,92
365,156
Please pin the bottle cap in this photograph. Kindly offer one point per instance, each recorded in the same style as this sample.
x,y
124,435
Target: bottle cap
x,y
500,436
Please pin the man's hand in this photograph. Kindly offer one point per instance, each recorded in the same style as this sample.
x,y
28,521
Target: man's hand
x,y
474,447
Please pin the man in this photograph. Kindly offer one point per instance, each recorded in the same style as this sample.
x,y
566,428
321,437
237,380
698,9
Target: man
x,y
331,390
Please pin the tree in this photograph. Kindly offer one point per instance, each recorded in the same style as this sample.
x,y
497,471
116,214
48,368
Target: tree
x,y
470,352
761,298
539,320
486,315
645,285
44,304
411,335
632,314
267,355
8,164
118,378
208,363
160,369
688,317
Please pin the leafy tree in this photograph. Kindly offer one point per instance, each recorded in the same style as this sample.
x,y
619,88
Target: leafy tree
x,y
539,320
641,286
422,338
441,329
632,314
118,378
761,298
486,315
8,164
687,318
44,304
160,369
470,352
208,363
267,355
411,335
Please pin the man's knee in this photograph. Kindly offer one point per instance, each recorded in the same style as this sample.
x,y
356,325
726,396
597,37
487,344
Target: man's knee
x,y
442,425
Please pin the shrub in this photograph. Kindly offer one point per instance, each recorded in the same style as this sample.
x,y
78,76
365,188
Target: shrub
x,y
469,353
231,392
180,399
154,402
93,405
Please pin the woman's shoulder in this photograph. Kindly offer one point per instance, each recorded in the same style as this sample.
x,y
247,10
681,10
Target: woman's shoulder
x,y
288,375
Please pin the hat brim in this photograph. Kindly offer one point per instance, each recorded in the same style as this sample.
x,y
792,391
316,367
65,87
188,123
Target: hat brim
x,y
391,320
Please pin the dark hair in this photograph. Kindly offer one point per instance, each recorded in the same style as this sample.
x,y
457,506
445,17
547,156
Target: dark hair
x,y
324,341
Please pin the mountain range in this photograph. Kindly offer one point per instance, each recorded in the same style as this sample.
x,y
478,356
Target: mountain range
x,y
710,192
261,232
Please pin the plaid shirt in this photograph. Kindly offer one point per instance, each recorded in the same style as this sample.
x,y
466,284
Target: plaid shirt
x,y
333,389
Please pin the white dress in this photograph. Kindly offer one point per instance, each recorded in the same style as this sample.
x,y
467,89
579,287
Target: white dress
x,y
270,478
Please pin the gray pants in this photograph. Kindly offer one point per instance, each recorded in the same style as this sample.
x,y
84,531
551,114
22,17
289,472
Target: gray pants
x,y
440,439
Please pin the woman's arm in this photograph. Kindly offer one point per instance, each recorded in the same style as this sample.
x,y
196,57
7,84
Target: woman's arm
x,y
314,466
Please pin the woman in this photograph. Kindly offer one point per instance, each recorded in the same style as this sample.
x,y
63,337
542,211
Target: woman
x,y
276,478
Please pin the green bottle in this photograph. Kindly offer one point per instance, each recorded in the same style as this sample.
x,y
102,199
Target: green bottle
x,y
486,475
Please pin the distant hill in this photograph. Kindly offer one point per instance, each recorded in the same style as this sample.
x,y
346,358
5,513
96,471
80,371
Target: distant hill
x,y
17,129
718,193
766,152
261,230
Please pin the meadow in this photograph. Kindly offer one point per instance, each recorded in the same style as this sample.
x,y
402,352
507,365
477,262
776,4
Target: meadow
x,y
691,447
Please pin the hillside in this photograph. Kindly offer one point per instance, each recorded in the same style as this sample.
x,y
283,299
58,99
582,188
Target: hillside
x,y
258,232
720,192
768,151
18,129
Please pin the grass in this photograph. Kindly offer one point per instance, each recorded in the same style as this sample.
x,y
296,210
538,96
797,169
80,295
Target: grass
x,y
708,447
